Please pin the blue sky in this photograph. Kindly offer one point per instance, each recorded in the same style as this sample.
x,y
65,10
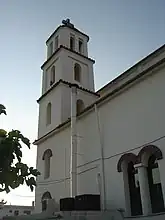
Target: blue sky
x,y
121,32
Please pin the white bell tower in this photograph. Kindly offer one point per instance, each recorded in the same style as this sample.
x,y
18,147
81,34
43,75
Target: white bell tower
x,y
67,64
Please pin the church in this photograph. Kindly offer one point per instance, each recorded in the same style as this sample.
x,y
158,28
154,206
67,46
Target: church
x,y
109,142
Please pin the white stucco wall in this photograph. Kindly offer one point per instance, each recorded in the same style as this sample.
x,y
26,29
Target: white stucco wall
x,y
46,75
60,98
86,97
54,97
67,32
68,61
64,34
64,62
59,168
56,64
129,120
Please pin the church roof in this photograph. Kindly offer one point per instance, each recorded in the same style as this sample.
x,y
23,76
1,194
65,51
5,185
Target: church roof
x,y
131,70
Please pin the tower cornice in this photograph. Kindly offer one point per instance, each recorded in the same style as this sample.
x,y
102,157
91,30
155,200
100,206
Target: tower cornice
x,y
65,26
68,84
63,47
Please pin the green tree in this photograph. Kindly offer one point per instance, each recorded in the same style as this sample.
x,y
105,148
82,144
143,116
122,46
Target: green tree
x,y
13,172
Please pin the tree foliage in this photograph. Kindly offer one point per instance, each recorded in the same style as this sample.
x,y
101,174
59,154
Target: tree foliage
x,y
13,172
2,109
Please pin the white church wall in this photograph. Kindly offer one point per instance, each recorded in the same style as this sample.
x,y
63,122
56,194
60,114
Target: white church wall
x,y
57,183
91,184
46,78
86,97
114,185
57,190
67,32
88,155
68,62
57,65
88,139
59,144
129,120
133,118
54,97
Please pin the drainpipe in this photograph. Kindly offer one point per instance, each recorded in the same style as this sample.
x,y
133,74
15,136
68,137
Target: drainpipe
x,y
65,168
102,176
73,159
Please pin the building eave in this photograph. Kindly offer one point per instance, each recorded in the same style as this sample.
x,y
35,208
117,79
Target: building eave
x,y
68,49
68,84
50,133
124,74
63,26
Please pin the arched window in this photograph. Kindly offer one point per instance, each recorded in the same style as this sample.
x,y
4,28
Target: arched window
x,y
77,72
48,113
72,43
131,185
79,106
155,187
150,155
52,78
134,190
80,45
16,212
46,157
46,196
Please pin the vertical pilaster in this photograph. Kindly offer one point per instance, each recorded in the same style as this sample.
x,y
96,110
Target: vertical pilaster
x,y
126,189
144,189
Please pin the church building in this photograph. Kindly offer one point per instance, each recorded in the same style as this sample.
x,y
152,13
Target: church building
x,y
109,142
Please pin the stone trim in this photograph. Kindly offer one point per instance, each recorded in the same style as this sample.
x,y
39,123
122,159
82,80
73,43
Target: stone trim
x,y
126,157
151,149
49,152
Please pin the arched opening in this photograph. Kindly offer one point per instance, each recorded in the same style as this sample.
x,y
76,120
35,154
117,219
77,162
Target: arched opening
x,y
80,106
16,212
46,157
72,43
48,113
46,196
134,189
80,46
77,72
149,156
131,185
52,78
155,188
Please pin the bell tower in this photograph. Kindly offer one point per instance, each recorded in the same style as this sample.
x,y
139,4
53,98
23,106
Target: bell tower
x,y
67,63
